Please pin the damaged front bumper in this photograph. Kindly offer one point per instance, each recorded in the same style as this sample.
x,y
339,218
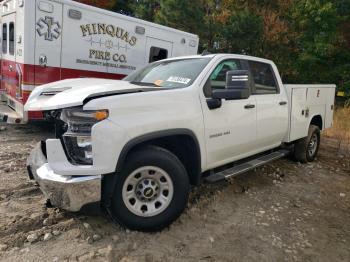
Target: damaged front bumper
x,y
67,192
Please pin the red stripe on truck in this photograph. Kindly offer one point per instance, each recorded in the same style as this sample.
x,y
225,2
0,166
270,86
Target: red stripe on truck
x,y
38,75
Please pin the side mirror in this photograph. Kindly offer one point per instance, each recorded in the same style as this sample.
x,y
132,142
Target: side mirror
x,y
237,86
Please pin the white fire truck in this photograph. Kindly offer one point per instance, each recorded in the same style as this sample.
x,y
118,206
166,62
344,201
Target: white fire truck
x,y
43,41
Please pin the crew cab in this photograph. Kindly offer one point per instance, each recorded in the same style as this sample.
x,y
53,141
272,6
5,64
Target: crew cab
x,y
137,145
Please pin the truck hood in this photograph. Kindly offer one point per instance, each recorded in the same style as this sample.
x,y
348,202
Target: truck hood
x,y
76,92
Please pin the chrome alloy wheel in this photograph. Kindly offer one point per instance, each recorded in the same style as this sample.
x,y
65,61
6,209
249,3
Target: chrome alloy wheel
x,y
147,191
312,147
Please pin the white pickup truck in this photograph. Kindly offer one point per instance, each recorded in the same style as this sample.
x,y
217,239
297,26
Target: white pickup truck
x,y
137,145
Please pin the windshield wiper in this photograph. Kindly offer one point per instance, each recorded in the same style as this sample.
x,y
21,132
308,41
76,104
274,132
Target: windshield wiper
x,y
143,84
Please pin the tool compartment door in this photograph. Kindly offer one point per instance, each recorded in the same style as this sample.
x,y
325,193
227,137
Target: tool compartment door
x,y
48,42
330,99
299,115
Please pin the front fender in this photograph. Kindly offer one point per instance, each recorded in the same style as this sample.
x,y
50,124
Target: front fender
x,y
155,135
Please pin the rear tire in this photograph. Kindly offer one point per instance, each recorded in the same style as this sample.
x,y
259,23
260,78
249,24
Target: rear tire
x,y
305,149
151,191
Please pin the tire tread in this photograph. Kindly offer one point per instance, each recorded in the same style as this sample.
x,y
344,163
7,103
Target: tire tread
x,y
300,147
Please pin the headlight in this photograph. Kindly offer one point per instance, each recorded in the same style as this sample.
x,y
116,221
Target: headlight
x,y
77,139
80,121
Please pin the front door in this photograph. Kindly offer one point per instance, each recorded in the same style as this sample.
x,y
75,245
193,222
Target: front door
x,y
48,39
230,131
157,49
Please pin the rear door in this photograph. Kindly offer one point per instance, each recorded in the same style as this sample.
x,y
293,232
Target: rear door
x,y
48,42
272,107
8,62
157,49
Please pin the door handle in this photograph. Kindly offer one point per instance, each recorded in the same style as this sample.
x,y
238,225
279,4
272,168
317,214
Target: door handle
x,y
282,103
43,60
10,68
249,106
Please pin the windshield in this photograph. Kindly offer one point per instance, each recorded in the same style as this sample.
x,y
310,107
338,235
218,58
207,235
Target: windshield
x,y
169,74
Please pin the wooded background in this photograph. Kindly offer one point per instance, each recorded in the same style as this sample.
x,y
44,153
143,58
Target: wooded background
x,y
309,40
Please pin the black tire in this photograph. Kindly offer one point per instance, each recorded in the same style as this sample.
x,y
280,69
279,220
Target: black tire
x,y
301,147
165,160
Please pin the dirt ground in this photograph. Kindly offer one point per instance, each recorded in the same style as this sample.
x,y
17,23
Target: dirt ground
x,y
283,211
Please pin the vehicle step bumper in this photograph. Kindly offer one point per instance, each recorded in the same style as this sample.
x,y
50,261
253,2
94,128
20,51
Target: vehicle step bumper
x,y
7,114
67,192
244,167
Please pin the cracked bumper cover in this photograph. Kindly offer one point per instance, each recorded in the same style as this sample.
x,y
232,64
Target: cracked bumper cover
x,y
67,192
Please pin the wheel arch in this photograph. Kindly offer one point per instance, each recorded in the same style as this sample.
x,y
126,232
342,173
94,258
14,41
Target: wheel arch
x,y
171,140
317,120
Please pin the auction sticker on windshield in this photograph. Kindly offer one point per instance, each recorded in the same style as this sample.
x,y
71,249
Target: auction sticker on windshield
x,y
158,82
180,80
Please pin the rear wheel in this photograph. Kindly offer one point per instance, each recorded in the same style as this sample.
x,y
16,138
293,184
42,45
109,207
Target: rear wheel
x,y
306,149
151,191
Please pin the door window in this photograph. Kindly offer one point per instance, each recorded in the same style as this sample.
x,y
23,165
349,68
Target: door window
x,y
217,79
4,38
264,78
157,53
12,38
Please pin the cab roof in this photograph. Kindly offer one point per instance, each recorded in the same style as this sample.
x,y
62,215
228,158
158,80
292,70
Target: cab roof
x,y
223,55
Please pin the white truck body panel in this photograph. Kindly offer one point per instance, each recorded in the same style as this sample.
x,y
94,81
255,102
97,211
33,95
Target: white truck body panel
x,y
74,44
307,101
51,97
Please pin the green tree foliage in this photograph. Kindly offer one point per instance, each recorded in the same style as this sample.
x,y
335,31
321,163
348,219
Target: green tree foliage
x,y
316,23
342,53
242,33
146,9
122,6
181,14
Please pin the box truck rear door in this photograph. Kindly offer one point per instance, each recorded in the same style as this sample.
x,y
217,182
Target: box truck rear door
x,y
8,62
48,42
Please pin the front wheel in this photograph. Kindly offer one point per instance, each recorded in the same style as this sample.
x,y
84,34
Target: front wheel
x,y
151,191
305,149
